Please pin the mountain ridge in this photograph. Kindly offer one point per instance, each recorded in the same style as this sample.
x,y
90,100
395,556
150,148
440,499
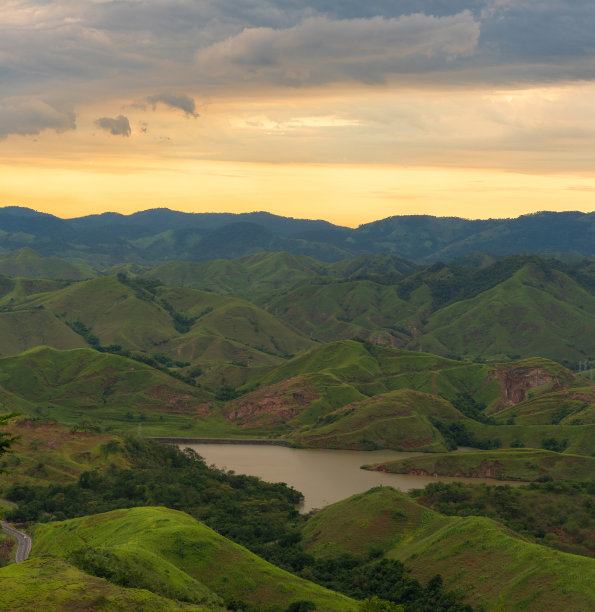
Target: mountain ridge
x,y
158,235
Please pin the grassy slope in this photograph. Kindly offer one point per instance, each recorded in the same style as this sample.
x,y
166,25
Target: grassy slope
x,y
52,585
82,384
20,331
28,263
248,276
47,452
489,563
574,406
324,397
530,311
172,553
397,420
260,275
529,314
216,336
525,464
557,514
332,310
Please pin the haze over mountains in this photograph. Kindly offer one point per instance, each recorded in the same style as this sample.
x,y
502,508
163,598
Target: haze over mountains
x,y
155,236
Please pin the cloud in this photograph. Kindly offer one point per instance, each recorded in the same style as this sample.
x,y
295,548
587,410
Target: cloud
x,y
100,51
118,126
28,116
180,101
321,50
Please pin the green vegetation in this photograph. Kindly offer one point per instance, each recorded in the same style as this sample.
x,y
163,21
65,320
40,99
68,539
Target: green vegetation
x,y
526,464
28,263
559,515
475,554
139,318
83,385
173,555
259,515
279,344
54,585
46,452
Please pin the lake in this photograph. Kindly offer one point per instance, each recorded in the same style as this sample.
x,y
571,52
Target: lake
x,y
323,476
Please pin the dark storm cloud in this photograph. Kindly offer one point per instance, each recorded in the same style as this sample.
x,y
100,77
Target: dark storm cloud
x,y
117,126
77,51
180,101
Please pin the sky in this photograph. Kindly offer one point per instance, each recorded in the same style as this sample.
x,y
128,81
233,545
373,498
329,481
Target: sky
x,y
342,110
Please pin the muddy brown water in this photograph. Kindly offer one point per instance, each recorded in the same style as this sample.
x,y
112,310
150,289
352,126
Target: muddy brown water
x,y
323,476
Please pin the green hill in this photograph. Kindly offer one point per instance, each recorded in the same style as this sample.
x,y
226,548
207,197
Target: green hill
x,y
173,555
556,514
248,276
534,312
83,385
181,326
52,585
517,307
525,464
26,329
487,562
28,263
47,452
356,395
260,275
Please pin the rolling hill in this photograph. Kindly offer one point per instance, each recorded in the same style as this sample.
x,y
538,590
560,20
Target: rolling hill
x,y
487,562
82,385
181,325
519,307
175,556
28,263
53,585
357,395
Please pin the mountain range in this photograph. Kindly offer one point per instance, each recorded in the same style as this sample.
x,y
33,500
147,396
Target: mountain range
x,y
157,236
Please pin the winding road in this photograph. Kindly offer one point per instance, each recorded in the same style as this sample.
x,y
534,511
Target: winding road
x,y
23,542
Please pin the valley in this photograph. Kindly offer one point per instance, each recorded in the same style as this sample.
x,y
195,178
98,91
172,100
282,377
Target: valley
x,y
461,381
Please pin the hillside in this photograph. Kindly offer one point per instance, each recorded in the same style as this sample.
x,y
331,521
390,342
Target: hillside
x,y
173,555
487,562
83,386
53,585
178,325
47,452
526,464
517,307
158,236
258,276
357,395
542,307
29,264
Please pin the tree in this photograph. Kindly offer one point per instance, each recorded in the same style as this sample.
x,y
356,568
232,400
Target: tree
x,y
380,605
6,438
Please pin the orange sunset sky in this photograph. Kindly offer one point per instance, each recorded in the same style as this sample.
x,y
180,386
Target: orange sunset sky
x,y
345,111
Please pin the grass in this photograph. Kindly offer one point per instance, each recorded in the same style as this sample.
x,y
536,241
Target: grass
x,y
52,585
526,464
29,264
47,452
530,313
477,556
396,420
376,520
170,553
25,329
185,325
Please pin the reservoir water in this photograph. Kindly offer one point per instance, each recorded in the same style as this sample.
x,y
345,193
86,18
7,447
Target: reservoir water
x,y
323,476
